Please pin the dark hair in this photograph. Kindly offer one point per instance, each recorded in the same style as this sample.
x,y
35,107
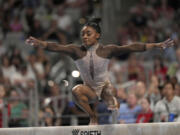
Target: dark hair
x,y
94,23
172,84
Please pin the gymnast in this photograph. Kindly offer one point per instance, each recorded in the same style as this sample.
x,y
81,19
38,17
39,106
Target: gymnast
x,y
92,59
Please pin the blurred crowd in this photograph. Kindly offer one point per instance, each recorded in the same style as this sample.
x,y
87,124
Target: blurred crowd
x,y
147,84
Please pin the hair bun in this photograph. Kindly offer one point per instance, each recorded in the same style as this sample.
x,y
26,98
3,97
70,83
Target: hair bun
x,y
95,20
94,23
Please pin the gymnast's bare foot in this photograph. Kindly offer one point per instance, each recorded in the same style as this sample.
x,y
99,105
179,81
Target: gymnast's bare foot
x,y
115,105
93,121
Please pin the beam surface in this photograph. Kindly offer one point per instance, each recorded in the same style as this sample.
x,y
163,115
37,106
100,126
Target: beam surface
x,y
116,129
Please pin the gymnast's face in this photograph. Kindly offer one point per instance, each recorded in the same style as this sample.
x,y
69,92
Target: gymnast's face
x,y
89,35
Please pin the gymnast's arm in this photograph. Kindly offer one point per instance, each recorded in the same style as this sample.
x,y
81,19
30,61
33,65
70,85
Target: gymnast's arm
x,y
138,47
51,46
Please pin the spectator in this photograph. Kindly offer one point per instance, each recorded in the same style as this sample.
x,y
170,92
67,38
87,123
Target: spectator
x,y
153,91
48,116
37,66
135,69
64,21
121,95
115,72
138,18
28,19
16,25
128,111
22,74
167,109
44,60
37,30
40,66
146,114
160,69
7,69
54,34
84,6
56,97
140,90
18,111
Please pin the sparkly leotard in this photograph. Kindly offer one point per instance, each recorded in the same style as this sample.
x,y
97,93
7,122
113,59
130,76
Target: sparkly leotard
x,y
100,65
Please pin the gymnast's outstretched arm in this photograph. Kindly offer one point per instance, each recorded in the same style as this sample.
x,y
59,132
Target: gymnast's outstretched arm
x,y
68,49
138,47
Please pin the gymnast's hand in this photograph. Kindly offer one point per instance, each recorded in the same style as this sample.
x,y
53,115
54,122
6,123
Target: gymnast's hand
x,y
165,44
162,45
36,42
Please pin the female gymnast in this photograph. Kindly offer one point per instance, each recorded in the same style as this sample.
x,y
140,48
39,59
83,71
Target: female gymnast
x,y
92,59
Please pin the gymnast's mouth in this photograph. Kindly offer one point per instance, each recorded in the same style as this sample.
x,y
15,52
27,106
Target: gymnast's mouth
x,y
85,41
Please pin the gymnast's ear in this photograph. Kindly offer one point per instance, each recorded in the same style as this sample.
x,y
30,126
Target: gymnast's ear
x,y
97,35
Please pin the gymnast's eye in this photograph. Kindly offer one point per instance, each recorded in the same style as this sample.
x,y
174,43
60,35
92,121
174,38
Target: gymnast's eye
x,y
88,33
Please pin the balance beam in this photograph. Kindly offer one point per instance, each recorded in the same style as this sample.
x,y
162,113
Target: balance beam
x,y
116,129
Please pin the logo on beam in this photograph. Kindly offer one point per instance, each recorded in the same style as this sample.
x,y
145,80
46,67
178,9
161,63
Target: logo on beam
x,y
84,132
75,131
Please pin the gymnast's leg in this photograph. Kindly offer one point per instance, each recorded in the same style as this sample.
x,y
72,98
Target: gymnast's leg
x,y
83,95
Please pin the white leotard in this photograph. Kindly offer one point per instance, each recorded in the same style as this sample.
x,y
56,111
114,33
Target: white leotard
x,y
100,70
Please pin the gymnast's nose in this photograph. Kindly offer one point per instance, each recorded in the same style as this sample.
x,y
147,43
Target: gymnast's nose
x,y
85,37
